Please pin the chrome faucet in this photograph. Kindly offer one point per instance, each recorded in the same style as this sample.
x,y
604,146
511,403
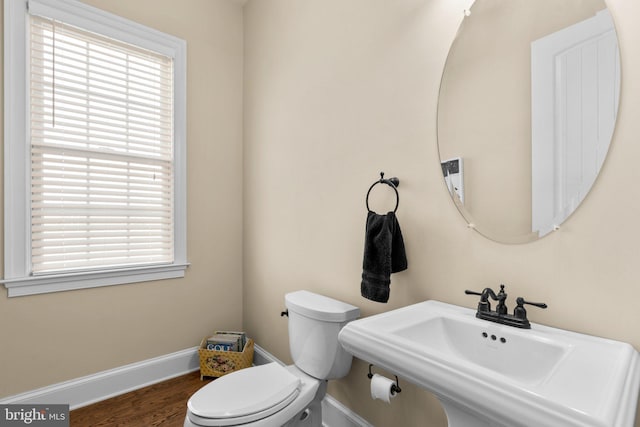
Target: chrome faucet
x,y
519,317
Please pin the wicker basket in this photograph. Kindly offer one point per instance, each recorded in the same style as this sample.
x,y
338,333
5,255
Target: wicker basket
x,y
216,363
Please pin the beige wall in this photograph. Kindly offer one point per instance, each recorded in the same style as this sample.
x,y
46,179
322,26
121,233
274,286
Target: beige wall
x,y
336,91
50,338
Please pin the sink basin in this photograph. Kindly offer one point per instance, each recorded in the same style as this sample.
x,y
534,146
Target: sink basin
x,y
489,374
529,359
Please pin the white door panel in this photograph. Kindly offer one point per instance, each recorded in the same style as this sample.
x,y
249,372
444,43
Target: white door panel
x,y
574,95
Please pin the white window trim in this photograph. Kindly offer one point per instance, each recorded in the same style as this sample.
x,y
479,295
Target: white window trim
x,y
17,232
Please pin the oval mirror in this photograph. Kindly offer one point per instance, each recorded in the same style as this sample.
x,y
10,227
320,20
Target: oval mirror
x,y
527,108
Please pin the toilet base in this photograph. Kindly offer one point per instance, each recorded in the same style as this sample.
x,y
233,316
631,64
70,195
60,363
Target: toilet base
x,y
311,416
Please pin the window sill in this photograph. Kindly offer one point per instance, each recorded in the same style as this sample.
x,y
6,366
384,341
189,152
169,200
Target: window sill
x,y
33,285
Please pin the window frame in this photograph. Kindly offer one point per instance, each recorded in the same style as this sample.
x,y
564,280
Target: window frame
x,y
17,229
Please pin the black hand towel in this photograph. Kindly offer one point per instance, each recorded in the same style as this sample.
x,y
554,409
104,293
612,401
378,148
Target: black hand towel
x,y
383,254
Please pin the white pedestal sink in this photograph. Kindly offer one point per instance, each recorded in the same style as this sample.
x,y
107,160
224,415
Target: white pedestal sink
x,y
487,374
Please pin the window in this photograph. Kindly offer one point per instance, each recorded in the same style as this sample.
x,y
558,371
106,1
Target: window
x,y
94,149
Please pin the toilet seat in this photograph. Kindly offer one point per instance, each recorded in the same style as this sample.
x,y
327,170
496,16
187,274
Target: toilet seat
x,y
244,396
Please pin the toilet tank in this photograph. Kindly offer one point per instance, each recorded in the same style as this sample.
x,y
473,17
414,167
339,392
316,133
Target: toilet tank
x,y
314,324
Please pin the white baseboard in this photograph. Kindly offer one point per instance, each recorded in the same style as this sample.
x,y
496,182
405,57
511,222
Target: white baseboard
x,y
335,414
104,385
94,388
262,356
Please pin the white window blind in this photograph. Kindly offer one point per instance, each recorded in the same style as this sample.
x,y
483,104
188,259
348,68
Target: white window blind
x,y
102,170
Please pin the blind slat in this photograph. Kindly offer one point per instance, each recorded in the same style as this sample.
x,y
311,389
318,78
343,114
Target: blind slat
x,y
70,136
63,252
99,76
107,262
103,94
45,148
79,56
83,108
76,35
143,112
91,82
55,236
101,118
70,228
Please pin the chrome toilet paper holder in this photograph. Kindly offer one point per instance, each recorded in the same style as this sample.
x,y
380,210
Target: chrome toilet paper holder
x,y
394,388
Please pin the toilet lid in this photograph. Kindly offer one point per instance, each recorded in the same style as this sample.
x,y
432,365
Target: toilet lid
x,y
245,393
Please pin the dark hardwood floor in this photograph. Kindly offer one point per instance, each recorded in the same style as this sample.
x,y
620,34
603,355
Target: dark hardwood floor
x,y
163,404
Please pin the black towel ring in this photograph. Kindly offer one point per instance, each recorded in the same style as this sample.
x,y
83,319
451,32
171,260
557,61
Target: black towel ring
x,y
391,182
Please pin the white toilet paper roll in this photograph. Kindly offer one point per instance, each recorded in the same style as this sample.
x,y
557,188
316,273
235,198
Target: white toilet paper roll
x,y
381,388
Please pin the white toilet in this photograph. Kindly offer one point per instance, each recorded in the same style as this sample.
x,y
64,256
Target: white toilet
x,y
274,395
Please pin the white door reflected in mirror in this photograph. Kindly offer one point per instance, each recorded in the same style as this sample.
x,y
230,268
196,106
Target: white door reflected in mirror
x,y
575,86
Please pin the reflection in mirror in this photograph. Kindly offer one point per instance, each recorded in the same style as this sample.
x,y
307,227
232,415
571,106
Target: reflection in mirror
x,y
527,108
